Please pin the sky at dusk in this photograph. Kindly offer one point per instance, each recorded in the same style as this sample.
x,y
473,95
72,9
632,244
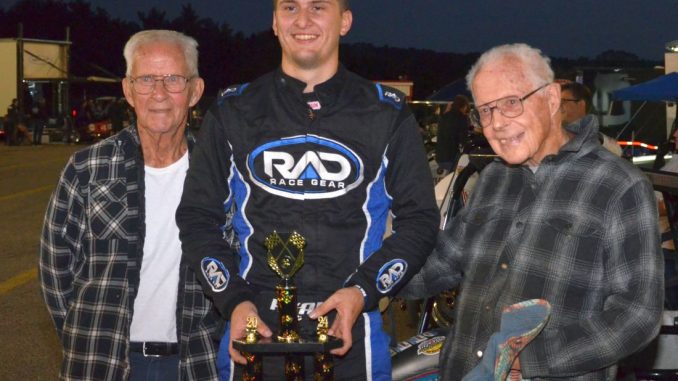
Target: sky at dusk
x,y
561,28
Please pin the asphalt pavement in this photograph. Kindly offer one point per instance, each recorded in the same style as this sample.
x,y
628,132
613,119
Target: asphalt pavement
x,y
28,343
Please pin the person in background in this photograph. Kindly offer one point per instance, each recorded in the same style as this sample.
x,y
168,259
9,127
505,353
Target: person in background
x,y
316,149
124,303
556,217
117,113
576,103
11,122
453,130
39,117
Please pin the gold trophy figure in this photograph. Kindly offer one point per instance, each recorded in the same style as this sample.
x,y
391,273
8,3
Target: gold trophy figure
x,y
286,264
253,369
324,366
285,256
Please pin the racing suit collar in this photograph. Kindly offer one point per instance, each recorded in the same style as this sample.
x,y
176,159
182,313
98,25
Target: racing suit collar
x,y
327,92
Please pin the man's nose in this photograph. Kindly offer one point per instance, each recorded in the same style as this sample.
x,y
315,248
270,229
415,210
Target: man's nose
x,y
159,89
498,120
303,18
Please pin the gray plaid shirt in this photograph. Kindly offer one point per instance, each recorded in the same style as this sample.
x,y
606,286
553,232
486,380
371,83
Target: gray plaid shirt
x,y
581,232
90,258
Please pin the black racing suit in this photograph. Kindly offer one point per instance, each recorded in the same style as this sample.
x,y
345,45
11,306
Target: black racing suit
x,y
329,165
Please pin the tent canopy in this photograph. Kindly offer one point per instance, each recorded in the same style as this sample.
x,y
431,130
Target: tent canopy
x,y
449,91
664,88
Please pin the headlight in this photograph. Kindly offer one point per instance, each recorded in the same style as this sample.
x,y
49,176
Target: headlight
x,y
91,127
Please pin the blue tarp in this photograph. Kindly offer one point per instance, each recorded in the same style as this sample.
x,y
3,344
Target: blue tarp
x,y
664,88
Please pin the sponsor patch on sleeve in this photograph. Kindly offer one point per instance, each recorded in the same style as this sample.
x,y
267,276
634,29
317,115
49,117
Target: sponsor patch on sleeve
x,y
231,91
431,346
390,96
390,274
215,273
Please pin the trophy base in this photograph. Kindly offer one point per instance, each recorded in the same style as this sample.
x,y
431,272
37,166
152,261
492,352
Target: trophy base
x,y
271,347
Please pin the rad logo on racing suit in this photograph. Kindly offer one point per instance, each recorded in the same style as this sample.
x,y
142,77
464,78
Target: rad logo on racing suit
x,y
392,95
215,272
305,167
390,274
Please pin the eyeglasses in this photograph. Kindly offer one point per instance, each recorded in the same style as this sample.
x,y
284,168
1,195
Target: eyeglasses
x,y
173,83
510,107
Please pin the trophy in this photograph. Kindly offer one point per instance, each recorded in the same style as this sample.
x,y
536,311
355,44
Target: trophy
x,y
285,256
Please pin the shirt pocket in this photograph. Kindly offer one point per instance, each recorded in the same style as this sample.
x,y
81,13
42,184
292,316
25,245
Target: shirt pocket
x,y
562,232
478,217
565,224
485,223
107,209
482,229
573,248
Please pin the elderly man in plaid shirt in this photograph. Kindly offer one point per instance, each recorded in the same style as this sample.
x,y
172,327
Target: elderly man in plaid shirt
x,y
125,306
556,217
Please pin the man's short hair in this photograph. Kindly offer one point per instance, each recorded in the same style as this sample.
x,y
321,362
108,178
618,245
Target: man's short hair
x,y
579,92
187,44
460,101
344,4
537,66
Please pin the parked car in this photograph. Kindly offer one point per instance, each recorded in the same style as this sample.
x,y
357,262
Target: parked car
x,y
93,118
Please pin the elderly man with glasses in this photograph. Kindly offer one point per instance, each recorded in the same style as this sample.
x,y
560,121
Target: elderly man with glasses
x,y
557,217
125,305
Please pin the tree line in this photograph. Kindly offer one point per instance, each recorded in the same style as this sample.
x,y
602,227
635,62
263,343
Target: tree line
x,y
228,56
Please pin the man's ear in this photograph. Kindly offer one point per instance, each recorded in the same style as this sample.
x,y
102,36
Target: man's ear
x,y
554,98
346,22
197,88
127,91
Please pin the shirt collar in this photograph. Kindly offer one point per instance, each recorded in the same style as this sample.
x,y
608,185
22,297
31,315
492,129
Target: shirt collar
x,y
583,130
327,92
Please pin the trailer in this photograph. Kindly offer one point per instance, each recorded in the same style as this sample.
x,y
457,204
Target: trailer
x,y
35,70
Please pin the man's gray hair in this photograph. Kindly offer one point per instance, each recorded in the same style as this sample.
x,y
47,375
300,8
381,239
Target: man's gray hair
x,y
537,67
187,44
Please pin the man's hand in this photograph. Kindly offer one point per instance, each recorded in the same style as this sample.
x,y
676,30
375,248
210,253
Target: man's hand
x,y
515,373
349,304
516,364
238,324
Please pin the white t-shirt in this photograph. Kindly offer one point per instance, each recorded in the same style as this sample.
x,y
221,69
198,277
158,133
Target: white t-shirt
x,y
154,317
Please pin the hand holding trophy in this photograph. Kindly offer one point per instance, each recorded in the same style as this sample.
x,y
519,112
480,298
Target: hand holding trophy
x,y
285,256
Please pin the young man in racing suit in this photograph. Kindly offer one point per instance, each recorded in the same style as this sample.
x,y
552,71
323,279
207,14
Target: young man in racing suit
x,y
311,148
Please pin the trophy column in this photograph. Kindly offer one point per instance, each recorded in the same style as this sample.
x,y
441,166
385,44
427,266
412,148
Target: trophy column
x,y
286,295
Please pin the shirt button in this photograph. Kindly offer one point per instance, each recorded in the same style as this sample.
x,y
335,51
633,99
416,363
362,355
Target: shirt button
x,y
487,308
479,354
503,266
